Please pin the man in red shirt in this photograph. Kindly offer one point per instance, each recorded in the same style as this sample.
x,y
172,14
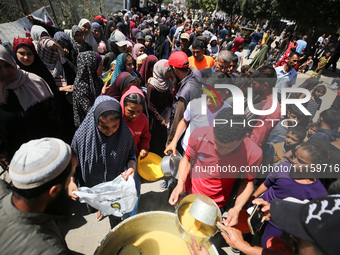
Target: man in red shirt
x,y
239,40
214,158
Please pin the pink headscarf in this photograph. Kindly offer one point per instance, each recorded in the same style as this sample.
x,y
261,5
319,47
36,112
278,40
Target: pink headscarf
x,y
135,50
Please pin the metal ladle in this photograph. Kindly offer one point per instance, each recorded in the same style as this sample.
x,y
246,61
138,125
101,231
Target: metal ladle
x,y
204,211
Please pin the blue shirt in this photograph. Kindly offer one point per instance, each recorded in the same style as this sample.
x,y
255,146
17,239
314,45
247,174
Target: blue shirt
x,y
301,44
222,34
284,79
256,37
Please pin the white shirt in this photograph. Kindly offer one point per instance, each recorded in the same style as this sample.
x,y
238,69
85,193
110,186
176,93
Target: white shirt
x,y
284,79
240,56
193,115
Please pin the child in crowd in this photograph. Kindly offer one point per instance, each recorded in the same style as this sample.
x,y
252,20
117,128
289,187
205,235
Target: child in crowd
x,y
294,117
132,103
314,104
311,130
213,48
275,153
297,182
306,65
149,45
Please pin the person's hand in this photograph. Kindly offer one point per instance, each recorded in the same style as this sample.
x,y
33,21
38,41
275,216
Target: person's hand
x,y
106,87
68,88
4,163
127,173
264,206
176,194
30,18
72,187
234,237
143,153
232,219
66,52
139,63
197,250
171,148
164,124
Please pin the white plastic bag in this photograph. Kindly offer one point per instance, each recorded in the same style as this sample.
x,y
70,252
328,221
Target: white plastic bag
x,y
116,197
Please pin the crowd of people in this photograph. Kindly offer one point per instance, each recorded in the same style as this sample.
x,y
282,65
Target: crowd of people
x,y
125,85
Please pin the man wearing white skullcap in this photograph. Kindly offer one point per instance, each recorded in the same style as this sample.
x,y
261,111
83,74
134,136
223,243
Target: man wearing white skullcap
x,y
40,171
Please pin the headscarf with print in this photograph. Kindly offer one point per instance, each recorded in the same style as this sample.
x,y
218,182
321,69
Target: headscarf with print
x,y
88,38
52,59
117,88
87,85
62,36
146,68
102,158
120,66
136,49
158,79
28,87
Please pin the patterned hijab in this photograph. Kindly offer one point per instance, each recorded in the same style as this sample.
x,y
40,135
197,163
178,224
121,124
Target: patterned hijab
x,y
28,87
62,36
52,59
158,79
102,158
146,68
87,86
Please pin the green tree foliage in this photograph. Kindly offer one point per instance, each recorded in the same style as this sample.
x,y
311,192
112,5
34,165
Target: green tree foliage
x,y
230,6
207,5
193,4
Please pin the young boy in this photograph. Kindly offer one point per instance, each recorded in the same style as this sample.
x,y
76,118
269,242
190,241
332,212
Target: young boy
x,y
294,116
307,65
312,129
314,104
275,153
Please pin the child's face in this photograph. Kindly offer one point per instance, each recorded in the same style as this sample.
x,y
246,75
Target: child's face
x,y
311,131
292,119
140,52
213,43
302,159
133,111
291,140
148,43
318,93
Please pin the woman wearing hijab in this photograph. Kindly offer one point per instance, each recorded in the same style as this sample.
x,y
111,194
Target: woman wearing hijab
x,y
87,85
79,41
162,44
102,44
146,69
134,21
123,82
109,28
68,46
36,33
137,50
104,146
124,63
63,72
159,99
26,107
85,26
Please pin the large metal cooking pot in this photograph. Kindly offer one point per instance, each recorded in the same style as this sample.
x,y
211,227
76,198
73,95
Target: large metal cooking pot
x,y
141,223
190,199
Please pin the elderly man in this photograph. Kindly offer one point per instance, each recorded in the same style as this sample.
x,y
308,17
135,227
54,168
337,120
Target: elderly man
x,y
40,171
226,63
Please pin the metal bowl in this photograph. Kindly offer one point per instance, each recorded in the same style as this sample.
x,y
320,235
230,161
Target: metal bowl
x,y
170,164
128,229
190,199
